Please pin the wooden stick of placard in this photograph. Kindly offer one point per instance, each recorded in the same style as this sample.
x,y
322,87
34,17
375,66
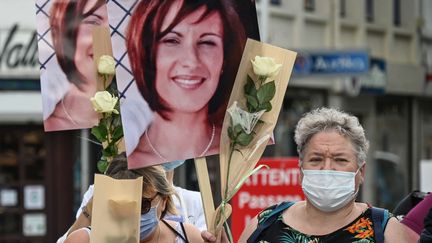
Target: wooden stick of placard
x,y
205,189
102,46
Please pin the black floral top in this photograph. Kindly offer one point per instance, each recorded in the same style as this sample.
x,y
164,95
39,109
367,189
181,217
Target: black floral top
x,y
360,231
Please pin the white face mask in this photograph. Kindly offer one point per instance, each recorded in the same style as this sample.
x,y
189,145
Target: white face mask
x,y
329,190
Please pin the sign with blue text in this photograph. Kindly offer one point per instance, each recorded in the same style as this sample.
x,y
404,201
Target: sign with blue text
x,y
331,63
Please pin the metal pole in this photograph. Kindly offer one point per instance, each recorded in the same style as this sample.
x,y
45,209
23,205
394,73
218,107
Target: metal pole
x,y
264,20
84,158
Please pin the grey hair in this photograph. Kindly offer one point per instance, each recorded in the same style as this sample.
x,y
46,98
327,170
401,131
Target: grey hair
x,y
329,119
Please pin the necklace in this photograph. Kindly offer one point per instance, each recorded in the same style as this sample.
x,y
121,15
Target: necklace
x,y
67,114
166,160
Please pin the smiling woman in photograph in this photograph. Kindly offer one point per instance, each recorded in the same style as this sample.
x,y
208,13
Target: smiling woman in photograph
x,y
72,22
184,55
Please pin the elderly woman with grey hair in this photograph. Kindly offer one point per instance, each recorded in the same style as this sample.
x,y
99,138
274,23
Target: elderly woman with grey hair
x,y
332,148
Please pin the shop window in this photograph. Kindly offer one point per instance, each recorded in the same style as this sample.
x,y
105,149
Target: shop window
x,y
342,8
369,10
309,5
275,2
22,184
392,150
396,12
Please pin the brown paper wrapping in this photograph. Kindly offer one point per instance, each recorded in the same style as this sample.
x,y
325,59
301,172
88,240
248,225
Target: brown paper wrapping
x,y
116,210
244,162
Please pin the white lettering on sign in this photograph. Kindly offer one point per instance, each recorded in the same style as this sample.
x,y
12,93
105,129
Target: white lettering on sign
x,y
262,201
18,52
274,177
344,63
247,218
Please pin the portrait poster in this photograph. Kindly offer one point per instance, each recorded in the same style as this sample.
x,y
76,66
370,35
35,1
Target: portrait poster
x,y
177,62
67,70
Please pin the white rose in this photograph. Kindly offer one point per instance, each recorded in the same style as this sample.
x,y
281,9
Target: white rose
x,y
265,66
106,65
104,102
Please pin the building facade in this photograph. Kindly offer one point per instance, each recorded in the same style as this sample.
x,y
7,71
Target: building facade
x,y
393,99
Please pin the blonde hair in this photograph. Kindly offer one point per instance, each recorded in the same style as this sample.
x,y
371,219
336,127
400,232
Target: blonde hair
x,y
154,180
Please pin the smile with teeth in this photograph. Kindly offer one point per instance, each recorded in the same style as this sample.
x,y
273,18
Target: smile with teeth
x,y
188,82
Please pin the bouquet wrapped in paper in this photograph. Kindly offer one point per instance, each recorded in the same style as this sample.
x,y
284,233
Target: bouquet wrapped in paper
x,y
253,109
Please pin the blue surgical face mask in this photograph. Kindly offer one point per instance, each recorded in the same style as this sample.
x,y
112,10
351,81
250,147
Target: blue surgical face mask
x,y
172,165
149,222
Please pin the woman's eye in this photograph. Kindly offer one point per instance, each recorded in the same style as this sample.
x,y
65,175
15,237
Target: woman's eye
x,y
170,41
92,21
316,159
207,43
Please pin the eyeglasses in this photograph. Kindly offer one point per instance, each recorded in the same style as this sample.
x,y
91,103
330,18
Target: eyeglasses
x,y
146,204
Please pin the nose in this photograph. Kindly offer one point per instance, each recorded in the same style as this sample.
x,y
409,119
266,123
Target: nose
x,y
327,165
189,57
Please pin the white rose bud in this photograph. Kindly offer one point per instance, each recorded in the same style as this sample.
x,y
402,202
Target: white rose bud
x,y
104,102
265,66
106,65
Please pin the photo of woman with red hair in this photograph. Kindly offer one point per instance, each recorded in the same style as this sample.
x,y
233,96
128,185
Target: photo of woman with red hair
x,y
184,56
68,78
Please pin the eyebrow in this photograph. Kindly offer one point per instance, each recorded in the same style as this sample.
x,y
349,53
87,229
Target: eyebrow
x,y
93,14
333,154
202,35
211,34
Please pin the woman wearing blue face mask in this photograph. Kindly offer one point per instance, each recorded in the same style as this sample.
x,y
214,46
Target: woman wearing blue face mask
x,y
332,148
188,203
157,201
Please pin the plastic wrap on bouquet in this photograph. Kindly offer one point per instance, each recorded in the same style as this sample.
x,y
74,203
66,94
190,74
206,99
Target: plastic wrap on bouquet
x,y
254,107
116,210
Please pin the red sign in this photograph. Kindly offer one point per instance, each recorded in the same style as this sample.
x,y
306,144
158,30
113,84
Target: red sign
x,y
265,188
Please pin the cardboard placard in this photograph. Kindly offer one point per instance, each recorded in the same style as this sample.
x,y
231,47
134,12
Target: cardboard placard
x,y
116,210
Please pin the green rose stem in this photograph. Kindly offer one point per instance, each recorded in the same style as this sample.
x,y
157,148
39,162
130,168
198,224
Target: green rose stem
x,y
261,80
105,77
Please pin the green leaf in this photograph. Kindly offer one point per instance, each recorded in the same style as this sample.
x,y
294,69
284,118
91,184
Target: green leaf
x,y
117,134
265,106
252,101
244,139
266,92
102,165
237,130
249,87
231,133
110,151
100,132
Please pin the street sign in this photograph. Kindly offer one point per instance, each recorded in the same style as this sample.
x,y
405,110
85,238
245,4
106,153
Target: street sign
x,y
331,63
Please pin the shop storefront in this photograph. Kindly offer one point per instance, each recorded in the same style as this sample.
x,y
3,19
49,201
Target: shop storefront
x,y
36,168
